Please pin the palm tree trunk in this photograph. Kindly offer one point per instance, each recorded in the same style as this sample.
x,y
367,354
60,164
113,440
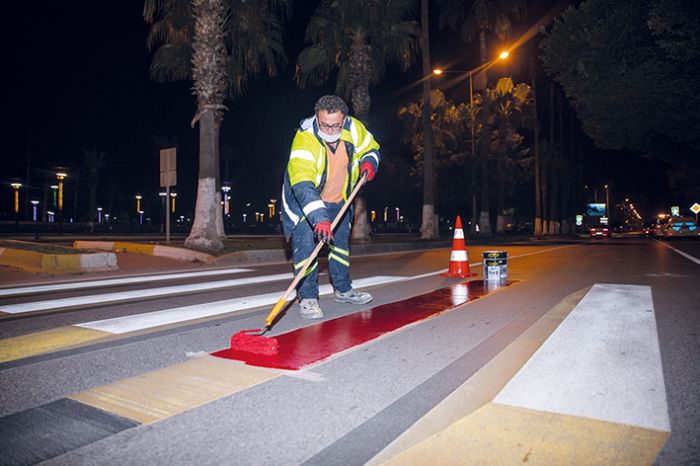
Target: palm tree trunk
x,y
564,173
500,196
204,234
553,170
361,71
209,74
538,181
429,224
485,216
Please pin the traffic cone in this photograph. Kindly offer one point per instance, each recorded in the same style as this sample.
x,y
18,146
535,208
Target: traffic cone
x,y
459,260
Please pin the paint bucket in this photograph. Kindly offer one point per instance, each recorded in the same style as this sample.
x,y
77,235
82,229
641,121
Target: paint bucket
x,y
495,265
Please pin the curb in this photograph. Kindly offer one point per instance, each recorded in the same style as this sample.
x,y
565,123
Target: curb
x,y
149,249
32,261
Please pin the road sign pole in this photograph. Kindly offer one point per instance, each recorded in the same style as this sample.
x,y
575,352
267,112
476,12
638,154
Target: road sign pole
x,y
167,214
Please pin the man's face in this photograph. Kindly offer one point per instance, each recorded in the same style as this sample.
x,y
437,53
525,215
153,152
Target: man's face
x,y
330,123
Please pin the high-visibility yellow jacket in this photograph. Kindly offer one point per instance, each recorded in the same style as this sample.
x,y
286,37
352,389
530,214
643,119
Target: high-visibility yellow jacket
x,y
307,170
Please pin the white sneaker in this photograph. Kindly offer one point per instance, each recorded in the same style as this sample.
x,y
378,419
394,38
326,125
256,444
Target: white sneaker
x,y
353,296
309,309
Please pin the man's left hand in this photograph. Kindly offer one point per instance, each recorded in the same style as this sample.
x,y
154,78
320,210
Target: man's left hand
x,y
368,169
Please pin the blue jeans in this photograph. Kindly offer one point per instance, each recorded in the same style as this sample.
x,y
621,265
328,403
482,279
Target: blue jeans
x,y
303,244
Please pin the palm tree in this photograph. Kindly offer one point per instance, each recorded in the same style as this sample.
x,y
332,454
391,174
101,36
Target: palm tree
x,y
209,75
501,113
356,40
478,17
219,44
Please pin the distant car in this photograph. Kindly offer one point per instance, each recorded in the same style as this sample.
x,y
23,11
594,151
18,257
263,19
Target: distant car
x,y
648,231
681,227
660,228
601,231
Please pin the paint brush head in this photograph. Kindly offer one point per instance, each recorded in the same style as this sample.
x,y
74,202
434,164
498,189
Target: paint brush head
x,y
255,344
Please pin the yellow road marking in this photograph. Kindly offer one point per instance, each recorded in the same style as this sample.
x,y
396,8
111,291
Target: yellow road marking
x,y
43,342
505,435
485,384
163,393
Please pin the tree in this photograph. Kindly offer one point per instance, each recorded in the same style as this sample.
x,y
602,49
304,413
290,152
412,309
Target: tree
x,y
502,110
356,40
478,18
448,123
209,75
220,44
631,70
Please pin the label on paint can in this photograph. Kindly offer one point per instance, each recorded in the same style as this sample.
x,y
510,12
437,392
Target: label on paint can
x,y
495,265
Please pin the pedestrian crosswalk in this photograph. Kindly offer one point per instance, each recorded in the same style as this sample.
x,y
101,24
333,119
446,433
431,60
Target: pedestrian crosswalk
x,y
81,332
79,285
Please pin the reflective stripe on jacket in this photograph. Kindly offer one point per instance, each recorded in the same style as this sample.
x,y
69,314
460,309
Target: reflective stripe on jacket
x,y
307,170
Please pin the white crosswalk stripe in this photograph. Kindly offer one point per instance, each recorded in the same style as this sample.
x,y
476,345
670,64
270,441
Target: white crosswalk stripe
x,y
138,294
25,290
147,320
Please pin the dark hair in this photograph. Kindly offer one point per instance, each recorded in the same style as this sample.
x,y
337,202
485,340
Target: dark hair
x,y
331,104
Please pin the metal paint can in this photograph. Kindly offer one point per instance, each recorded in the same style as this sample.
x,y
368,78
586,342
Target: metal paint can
x,y
495,265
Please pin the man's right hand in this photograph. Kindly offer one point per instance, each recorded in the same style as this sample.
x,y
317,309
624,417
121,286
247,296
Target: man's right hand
x,y
323,232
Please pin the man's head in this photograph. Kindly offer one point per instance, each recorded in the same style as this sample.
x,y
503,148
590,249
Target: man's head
x,y
330,114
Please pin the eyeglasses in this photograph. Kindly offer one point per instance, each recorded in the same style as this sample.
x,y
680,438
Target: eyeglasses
x,y
325,127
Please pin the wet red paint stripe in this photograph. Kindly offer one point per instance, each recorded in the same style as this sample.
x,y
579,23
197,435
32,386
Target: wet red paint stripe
x,y
315,343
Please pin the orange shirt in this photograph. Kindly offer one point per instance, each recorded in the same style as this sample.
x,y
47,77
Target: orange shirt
x,y
337,173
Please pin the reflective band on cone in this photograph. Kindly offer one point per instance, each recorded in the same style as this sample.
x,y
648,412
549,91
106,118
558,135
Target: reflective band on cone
x,y
459,260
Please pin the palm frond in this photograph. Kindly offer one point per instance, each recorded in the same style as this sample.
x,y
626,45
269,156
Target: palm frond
x,y
171,62
313,66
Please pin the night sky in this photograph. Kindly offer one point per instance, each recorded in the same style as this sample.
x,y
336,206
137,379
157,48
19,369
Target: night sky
x,y
78,79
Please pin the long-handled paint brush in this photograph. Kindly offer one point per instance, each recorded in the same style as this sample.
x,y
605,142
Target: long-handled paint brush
x,y
253,341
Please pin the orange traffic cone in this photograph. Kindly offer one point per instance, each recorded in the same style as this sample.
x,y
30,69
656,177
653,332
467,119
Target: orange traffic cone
x,y
459,261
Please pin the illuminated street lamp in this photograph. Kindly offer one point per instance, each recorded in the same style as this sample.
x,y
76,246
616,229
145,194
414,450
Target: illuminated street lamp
x,y
51,216
227,207
386,214
438,71
16,187
374,215
138,203
398,215
54,190
99,215
61,175
271,206
34,204
172,197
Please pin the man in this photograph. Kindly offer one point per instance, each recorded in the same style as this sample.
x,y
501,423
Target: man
x,y
329,153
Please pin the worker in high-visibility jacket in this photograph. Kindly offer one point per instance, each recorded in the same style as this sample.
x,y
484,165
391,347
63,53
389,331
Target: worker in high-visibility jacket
x,y
329,153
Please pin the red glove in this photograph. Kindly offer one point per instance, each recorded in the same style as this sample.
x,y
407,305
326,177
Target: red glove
x,y
323,232
369,169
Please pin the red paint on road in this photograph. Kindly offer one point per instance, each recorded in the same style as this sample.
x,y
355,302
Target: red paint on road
x,y
314,343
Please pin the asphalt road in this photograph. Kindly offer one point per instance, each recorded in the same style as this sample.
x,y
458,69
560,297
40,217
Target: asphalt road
x,y
344,410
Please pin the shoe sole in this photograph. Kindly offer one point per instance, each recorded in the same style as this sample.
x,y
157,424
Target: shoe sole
x,y
312,316
350,301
